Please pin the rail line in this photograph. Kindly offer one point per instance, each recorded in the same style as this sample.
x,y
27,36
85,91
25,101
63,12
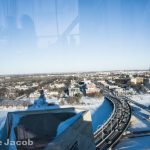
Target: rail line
x,y
109,134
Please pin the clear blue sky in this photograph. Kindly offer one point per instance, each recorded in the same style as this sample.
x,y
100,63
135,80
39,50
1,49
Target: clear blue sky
x,y
108,35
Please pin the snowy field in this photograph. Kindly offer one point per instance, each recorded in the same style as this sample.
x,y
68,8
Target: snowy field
x,y
142,99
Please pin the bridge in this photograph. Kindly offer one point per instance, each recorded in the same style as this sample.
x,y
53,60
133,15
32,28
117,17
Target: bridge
x,y
111,132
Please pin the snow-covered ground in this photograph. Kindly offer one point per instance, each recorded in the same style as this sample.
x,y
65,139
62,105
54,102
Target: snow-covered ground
x,y
139,143
139,122
140,119
142,99
4,111
100,109
64,125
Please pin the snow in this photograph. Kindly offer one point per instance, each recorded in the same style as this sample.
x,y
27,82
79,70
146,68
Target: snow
x,y
139,123
65,124
138,143
142,99
38,106
16,119
139,120
3,117
101,114
52,100
99,108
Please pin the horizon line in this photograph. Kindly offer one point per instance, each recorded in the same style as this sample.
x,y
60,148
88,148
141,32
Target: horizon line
x,y
70,72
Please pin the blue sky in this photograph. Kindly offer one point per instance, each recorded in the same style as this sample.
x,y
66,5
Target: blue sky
x,y
104,35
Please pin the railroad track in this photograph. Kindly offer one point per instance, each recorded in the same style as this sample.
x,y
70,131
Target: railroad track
x,y
109,134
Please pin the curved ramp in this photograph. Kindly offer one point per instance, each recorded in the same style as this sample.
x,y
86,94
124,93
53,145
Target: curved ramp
x,y
109,134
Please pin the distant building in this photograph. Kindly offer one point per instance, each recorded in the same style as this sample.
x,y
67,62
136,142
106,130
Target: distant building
x,y
137,80
122,92
146,82
91,88
73,91
66,91
88,87
74,88
57,85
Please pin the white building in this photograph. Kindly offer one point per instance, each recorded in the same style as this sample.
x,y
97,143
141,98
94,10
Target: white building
x,y
137,80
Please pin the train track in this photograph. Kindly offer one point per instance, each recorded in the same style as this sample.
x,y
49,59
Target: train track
x,y
109,134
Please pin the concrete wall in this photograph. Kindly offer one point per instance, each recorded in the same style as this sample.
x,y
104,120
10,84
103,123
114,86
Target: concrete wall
x,y
79,136
41,125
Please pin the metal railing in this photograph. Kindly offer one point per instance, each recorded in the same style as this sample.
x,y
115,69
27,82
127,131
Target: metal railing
x,y
109,134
